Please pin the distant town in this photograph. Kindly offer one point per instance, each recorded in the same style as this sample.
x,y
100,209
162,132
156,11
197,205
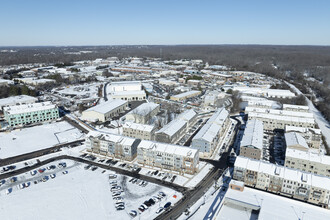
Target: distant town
x,y
150,138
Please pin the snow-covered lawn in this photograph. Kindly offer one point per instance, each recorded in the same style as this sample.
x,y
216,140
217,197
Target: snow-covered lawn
x,y
38,137
80,194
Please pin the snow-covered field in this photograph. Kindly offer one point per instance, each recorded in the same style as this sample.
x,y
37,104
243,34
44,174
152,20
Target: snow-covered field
x,y
38,137
80,194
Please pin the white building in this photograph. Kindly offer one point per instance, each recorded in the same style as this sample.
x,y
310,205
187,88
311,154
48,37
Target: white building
x,y
168,156
297,108
105,111
17,100
185,95
143,113
312,135
126,90
252,141
307,161
172,131
264,92
140,131
209,136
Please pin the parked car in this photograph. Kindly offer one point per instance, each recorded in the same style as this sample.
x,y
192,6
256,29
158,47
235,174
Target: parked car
x,y
2,182
52,175
9,190
112,176
167,205
94,168
159,210
65,172
33,172
133,213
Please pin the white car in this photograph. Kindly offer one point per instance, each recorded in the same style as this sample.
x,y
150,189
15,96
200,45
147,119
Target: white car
x,y
159,210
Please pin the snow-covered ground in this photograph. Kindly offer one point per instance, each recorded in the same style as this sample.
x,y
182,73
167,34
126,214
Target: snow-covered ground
x,y
38,137
80,194
83,92
320,120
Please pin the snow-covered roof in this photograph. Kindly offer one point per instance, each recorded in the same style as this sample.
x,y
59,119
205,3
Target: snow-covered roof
x,y
111,137
140,127
182,95
301,107
210,130
13,100
168,148
253,134
308,156
108,106
302,129
279,112
281,117
294,138
33,107
179,122
144,109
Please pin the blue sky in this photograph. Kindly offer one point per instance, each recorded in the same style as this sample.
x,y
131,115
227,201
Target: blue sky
x,y
107,22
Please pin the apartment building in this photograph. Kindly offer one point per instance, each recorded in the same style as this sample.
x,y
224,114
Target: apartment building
x,y
294,140
312,136
172,131
105,111
209,136
124,148
143,113
297,108
252,144
140,131
168,156
30,113
271,121
183,96
307,161
289,182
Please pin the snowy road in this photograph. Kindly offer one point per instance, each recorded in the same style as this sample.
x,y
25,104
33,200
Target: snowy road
x,y
320,120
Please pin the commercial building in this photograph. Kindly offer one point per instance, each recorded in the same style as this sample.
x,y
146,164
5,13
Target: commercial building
x,y
168,156
307,161
105,111
140,131
143,113
209,136
290,113
172,131
124,148
312,136
30,113
185,95
300,185
264,92
251,144
126,90
17,100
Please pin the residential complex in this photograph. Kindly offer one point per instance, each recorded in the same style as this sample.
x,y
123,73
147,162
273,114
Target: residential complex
x,y
312,136
252,141
172,131
289,182
140,131
168,156
112,145
307,161
209,136
185,95
105,111
143,113
30,113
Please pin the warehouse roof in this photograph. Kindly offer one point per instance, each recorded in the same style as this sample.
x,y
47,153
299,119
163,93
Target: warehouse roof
x,y
108,106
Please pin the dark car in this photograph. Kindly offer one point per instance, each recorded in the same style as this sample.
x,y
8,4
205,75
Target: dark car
x,y
167,205
156,172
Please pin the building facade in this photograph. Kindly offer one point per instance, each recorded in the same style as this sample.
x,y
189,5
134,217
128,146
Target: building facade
x,y
308,187
30,113
143,113
167,156
140,131
123,148
172,131
209,136
252,141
